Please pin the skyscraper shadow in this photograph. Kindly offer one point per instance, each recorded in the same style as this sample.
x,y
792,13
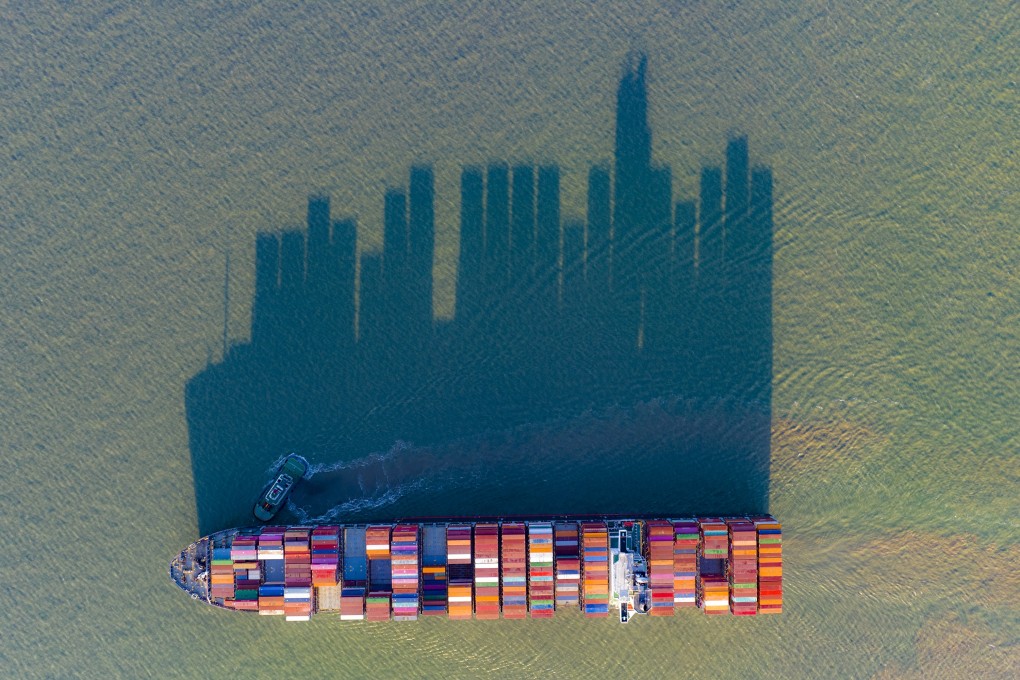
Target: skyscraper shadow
x,y
621,363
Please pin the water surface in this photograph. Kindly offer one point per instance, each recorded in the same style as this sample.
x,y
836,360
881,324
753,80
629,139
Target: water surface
x,y
140,146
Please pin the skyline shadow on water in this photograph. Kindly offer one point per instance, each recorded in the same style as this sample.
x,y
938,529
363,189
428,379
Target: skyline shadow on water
x,y
617,364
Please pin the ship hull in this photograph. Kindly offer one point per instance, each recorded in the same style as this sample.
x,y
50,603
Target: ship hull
x,y
490,567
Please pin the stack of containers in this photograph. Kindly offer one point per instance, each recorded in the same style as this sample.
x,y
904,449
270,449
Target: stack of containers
x,y
271,602
377,543
595,568
355,575
568,565
461,572
714,539
770,566
377,606
713,589
247,575
714,594
270,554
540,570
221,575
660,566
685,562
297,591
404,572
514,571
743,568
433,571
325,567
486,571
325,555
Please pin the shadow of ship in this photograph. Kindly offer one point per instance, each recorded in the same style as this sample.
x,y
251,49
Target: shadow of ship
x,y
652,316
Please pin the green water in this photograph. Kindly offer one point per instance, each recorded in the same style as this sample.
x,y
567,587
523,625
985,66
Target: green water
x,y
139,145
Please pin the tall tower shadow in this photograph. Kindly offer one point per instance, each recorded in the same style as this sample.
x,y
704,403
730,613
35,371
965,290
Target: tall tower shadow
x,y
622,363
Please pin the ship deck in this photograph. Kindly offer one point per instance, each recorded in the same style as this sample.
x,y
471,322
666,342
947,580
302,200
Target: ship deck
x,y
630,565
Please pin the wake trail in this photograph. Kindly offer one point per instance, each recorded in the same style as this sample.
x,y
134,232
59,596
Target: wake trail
x,y
398,449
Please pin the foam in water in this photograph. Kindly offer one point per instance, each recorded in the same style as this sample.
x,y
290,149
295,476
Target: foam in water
x,y
355,505
399,447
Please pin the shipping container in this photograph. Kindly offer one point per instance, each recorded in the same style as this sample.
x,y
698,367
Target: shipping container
x,y
595,569
568,565
541,593
686,543
486,562
713,594
354,574
461,571
743,567
659,555
380,573
325,554
770,566
714,538
246,572
433,571
514,570
297,577
221,575
404,572
377,606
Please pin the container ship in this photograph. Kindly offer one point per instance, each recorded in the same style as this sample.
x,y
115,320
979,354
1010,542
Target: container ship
x,y
505,568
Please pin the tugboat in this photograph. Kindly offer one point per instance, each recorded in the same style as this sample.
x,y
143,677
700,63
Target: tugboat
x,y
275,494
